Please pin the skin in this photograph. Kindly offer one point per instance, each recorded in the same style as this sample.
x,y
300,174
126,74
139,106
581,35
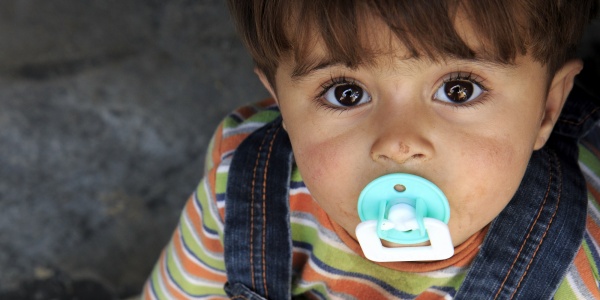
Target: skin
x,y
476,152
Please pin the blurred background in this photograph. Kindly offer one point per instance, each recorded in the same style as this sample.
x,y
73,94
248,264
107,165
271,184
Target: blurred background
x,y
106,108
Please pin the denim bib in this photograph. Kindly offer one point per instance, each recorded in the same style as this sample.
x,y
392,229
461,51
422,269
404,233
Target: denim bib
x,y
525,254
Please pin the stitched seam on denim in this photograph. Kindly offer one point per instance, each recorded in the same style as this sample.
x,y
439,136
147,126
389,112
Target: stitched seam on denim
x,y
528,234
559,176
264,216
580,121
252,210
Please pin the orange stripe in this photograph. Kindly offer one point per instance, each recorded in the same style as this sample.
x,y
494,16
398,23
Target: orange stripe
x,y
191,267
344,285
585,272
303,202
594,192
589,146
464,253
299,259
245,112
211,244
429,296
216,153
231,143
165,278
216,159
593,229
147,291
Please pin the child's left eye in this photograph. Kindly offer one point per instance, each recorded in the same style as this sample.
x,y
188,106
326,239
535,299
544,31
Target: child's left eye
x,y
458,91
345,95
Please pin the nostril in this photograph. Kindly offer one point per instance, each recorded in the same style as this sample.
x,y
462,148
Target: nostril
x,y
382,157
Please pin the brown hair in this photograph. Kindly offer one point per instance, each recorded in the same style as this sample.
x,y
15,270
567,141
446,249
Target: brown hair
x,y
548,30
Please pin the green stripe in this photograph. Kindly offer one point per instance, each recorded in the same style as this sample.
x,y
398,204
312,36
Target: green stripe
x,y
564,291
264,116
261,116
312,287
590,258
296,177
589,159
157,289
230,122
188,287
221,183
412,283
208,161
208,219
198,250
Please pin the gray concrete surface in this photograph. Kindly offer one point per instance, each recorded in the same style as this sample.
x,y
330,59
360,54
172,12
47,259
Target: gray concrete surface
x,y
106,107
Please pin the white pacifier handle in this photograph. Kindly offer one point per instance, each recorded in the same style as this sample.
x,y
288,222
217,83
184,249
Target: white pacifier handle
x,y
415,214
440,247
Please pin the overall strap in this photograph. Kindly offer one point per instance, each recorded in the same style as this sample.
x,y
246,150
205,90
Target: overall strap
x,y
258,247
531,244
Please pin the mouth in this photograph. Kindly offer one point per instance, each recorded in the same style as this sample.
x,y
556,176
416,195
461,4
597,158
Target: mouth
x,y
404,218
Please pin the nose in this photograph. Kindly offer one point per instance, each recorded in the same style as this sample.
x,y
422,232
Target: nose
x,y
402,138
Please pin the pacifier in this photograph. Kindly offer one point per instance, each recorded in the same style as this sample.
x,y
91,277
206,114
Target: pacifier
x,y
404,209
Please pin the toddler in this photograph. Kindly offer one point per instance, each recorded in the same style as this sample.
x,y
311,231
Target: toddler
x,y
411,149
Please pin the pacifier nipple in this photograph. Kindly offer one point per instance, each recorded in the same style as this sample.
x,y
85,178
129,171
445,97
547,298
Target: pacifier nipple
x,y
404,209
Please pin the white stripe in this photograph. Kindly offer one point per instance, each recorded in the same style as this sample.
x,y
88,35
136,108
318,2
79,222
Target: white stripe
x,y
440,293
245,127
150,289
366,282
324,234
174,286
213,209
168,278
299,190
224,165
194,234
188,277
448,272
590,176
574,283
593,212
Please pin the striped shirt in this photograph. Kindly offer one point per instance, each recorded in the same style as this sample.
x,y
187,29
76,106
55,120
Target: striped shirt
x,y
327,263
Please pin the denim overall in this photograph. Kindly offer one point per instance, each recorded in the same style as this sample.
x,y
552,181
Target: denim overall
x,y
525,254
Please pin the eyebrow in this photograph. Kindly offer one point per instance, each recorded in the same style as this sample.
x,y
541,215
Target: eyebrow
x,y
303,70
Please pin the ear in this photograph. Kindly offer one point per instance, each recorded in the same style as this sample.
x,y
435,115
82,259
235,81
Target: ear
x,y
559,89
263,78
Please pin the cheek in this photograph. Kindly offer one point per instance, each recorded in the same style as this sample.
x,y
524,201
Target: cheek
x,y
490,172
330,170
327,157
317,160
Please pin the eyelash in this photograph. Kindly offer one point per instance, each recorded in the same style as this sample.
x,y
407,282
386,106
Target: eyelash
x,y
333,81
457,75
472,78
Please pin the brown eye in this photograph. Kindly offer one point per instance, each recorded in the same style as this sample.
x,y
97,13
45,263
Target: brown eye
x,y
346,95
458,91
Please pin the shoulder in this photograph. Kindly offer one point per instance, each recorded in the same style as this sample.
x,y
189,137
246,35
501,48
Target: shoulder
x,y
230,133
238,125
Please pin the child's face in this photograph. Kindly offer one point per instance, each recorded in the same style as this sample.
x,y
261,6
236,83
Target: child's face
x,y
468,126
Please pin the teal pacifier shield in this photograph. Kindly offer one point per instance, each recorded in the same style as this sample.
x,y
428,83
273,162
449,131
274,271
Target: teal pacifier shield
x,y
382,193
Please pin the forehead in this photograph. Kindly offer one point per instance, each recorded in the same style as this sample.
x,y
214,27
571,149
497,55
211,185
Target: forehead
x,y
376,44
356,34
